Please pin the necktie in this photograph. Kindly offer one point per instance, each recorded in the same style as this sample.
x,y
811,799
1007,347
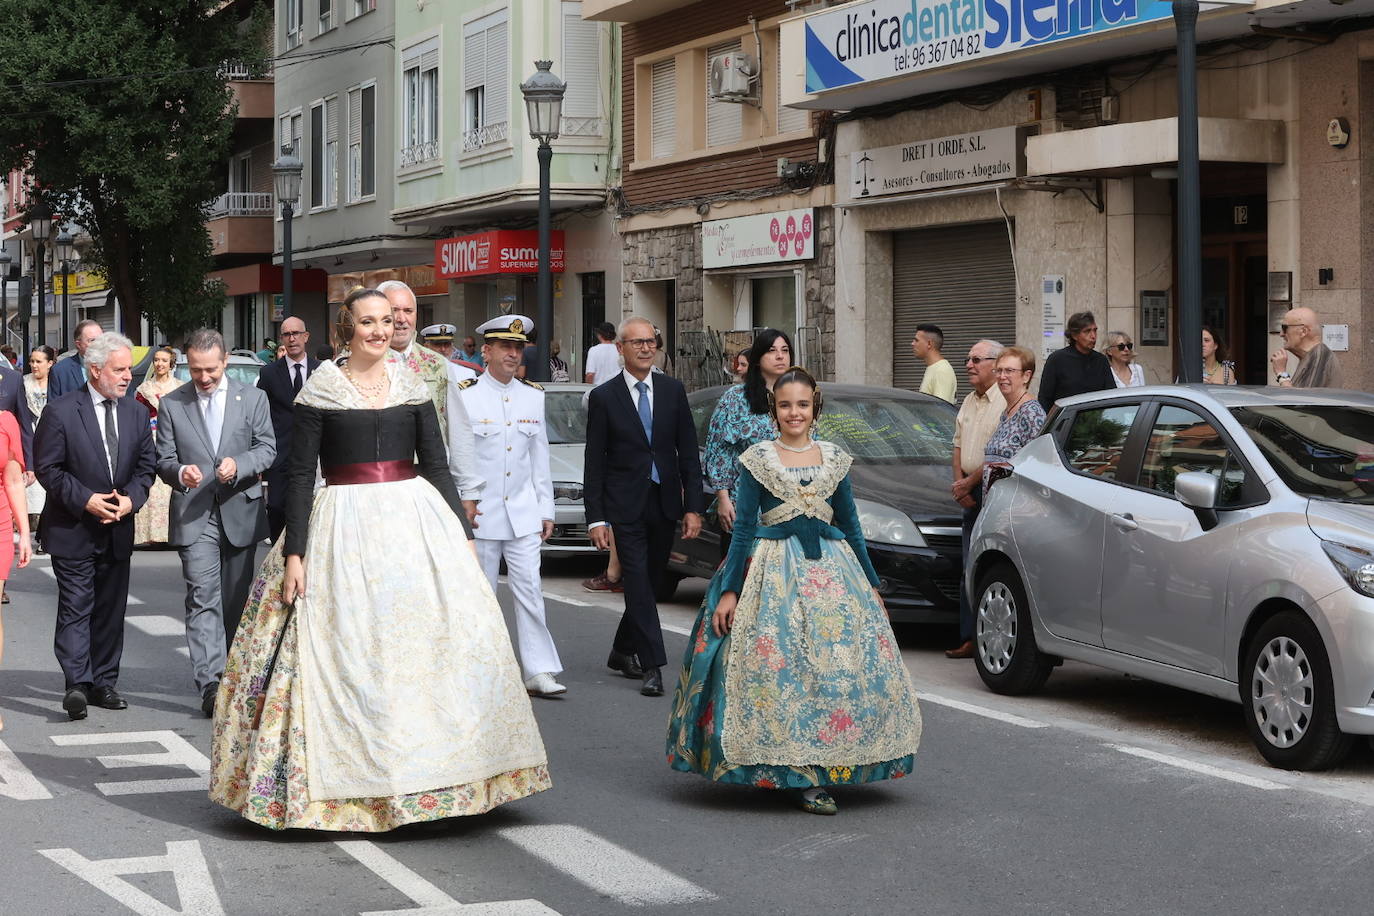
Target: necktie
x,y
212,420
111,437
298,381
646,419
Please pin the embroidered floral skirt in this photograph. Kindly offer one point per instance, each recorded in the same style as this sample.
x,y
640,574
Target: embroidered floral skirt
x,y
150,523
808,689
394,696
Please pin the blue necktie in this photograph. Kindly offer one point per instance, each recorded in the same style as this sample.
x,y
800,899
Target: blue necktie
x,y
646,419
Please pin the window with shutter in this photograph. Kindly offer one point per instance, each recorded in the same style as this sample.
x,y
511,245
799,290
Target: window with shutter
x,y
420,109
284,142
317,155
326,15
724,120
293,23
582,72
663,108
789,119
331,151
355,144
369,141
486,81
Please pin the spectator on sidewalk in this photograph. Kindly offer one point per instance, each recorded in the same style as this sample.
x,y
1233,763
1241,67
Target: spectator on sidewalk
x,y
1302,337
1078,367
938,379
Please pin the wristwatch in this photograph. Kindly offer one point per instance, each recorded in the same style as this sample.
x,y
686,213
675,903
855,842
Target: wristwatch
x,y
1283,375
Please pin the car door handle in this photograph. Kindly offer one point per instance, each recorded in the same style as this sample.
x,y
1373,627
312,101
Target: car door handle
x,y
1124,521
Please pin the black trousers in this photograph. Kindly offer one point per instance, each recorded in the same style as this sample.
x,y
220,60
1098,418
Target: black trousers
x,y
276,520
643,546
965,604
92,593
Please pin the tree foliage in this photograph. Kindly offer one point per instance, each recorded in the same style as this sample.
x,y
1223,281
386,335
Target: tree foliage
x,y
119,113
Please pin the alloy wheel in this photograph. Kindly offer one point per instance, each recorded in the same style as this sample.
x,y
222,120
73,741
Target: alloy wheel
x,y
996,629
1282,692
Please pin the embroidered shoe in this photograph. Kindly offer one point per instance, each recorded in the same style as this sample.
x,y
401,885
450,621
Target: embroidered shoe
x,y
543,685
817,801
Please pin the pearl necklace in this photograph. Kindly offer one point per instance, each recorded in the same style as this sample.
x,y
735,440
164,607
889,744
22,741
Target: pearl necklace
x,y
799,449
370,390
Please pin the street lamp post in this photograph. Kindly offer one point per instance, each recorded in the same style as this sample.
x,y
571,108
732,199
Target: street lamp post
x,y
40,225
544,104
286,176
62,249
5,261
1189,196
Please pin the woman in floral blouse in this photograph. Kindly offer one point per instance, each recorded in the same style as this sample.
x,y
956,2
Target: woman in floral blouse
x,y
742,418
1023,418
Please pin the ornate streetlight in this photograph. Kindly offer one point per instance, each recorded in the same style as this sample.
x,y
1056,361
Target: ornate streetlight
x,y
62,248
40,226
286,176
544,105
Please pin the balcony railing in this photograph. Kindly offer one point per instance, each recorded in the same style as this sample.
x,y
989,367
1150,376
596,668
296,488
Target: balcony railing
x,y
474,140
240,70
237,203
423,151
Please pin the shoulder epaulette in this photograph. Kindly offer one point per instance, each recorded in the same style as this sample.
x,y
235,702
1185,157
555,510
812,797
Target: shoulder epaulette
x,y
534,385
466,383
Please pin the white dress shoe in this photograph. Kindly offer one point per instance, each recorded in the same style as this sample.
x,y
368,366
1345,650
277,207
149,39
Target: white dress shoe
x,y
543,685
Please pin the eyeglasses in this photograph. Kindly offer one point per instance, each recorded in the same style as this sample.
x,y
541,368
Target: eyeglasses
x,y
641,343
1007,370
293,333
1125,346
979,359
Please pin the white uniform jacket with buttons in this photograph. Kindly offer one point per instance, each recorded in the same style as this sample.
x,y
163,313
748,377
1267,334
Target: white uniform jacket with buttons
x,y
512,456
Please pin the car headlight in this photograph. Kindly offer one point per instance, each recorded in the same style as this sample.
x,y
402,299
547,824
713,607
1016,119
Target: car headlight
x,y
886,525
1355,565
567,491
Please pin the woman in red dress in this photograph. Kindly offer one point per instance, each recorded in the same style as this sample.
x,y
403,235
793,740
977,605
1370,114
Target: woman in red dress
x,y
13,509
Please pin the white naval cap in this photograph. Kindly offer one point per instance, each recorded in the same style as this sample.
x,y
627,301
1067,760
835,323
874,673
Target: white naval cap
x,y
507,327
439,332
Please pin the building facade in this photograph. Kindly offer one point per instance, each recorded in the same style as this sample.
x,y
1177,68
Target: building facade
x,y
995,175
724,202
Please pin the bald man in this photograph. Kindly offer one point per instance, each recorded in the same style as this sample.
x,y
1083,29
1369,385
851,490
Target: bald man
x,y
1302,337
281,380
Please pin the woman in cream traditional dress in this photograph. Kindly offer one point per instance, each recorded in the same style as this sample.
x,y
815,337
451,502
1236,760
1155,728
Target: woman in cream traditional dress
x,y
150,524
793,679
363,690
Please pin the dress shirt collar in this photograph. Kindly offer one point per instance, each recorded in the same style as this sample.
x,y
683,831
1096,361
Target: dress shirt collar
x,y
291,364
489,379
222,386
631,382
97,398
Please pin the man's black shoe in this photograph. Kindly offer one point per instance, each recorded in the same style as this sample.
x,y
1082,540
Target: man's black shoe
x,y
207,700
107,698
75,702
625,664
653,683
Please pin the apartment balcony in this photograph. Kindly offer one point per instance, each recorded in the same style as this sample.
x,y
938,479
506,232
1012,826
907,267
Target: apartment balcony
x,y
240,224
629,10
252,91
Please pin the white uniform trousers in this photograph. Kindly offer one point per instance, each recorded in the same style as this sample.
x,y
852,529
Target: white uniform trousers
x,y
533,639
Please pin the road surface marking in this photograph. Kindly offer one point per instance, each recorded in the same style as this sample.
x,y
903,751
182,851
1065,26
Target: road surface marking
x,y
49,571
17,781
157,624
616,609
984,711
604,867
1203,769
177,751
565,599
808,847
184,859
426,896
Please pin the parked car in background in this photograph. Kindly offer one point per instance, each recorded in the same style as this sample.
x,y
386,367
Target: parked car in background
x,y
244,366
565,419
902,446
1217,539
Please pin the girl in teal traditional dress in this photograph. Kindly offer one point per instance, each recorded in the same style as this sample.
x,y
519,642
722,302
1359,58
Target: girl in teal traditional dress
x,y
793,679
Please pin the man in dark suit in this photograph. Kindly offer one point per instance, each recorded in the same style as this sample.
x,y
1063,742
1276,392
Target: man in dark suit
x,y
70,374
214,441
93,452
642,470
281,380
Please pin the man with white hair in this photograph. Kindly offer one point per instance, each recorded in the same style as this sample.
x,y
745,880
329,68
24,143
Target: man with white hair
x,y
93,452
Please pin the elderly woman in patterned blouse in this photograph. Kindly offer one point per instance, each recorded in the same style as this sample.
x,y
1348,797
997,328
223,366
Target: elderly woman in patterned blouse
x,y
743,417
1023,418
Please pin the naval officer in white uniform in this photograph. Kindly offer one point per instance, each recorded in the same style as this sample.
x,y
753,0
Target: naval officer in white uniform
x,y
515,514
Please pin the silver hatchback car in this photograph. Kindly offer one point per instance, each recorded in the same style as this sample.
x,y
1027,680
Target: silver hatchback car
x,y
1217,539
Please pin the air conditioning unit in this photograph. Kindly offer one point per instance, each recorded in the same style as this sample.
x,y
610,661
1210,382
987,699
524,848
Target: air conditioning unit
x,y
733,77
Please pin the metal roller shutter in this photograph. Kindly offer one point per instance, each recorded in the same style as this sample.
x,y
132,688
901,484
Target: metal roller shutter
x,y
959,277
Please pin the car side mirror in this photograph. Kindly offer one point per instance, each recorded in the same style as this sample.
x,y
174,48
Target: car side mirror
x,y
1199,491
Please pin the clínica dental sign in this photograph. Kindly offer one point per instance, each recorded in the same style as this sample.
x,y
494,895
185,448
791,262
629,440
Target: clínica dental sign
x,y
859,43
941,162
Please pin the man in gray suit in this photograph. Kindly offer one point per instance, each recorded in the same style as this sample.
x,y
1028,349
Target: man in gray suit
x,y
214,441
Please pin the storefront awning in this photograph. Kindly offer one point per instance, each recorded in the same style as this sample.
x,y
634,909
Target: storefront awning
x,y
1117,150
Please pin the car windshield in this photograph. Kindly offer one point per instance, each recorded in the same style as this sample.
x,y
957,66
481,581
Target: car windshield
x,y
887,430
1320,451
565,417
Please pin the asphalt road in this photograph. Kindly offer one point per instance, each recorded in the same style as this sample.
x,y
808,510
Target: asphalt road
x,y
1103,795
